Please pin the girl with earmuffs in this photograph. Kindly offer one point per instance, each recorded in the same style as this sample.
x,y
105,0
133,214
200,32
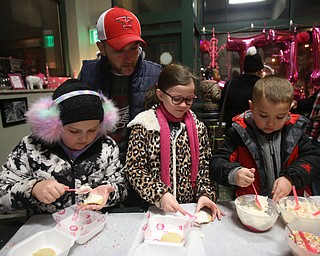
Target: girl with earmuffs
x,y
68,148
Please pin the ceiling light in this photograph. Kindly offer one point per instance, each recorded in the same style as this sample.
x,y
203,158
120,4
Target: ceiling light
x,y
244,1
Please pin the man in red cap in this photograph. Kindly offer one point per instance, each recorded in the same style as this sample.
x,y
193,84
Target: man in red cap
x,y
120,72
119,34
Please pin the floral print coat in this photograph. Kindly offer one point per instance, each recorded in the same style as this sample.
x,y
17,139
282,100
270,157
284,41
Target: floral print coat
x,y
33,160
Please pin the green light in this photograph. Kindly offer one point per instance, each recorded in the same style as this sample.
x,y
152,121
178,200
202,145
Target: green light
x,y
93,34
48,41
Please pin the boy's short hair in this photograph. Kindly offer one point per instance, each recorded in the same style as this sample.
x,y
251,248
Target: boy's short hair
x,y
274,88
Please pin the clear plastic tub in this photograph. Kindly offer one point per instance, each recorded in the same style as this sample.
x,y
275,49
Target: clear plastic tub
x,y
159,225
308,206
255,220
305,226
63,236
53,239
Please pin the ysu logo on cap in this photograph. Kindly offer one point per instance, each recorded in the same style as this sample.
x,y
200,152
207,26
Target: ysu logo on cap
x,y
126,22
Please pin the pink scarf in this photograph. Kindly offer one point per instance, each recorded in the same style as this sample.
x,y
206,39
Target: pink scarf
x,y
163,117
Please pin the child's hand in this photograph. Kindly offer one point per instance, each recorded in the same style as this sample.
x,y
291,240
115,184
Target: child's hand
x,y
281,188
245,177
48,191
206,202
170,204
104,191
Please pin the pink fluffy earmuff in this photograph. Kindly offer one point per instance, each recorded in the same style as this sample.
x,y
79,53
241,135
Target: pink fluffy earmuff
x,y
44,117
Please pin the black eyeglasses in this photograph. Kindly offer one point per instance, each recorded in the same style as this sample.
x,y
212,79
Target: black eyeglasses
x,y
176,100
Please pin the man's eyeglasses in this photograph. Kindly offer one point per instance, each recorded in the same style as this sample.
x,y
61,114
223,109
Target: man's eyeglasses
x,y
176,100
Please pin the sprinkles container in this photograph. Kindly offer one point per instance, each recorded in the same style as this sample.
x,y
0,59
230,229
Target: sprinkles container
x,y
311,230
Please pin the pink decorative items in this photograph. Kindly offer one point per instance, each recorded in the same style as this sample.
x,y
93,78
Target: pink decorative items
x,y
303,37
288,56
214,50
315,76
204,46
241,44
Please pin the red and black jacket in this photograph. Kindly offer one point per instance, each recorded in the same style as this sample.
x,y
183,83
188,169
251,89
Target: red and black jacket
x,y
300,159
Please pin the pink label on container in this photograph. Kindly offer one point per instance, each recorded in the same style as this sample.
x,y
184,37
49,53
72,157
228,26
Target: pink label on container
x,y
160,226
74,228
145,226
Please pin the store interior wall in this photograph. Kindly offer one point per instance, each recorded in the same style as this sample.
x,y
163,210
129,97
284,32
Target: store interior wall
x,y
10,136
81,16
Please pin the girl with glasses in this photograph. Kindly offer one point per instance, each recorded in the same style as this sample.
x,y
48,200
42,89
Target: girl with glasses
x,y
168,153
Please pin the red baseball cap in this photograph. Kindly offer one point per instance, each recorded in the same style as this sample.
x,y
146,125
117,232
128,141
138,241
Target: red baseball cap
x,y
119,27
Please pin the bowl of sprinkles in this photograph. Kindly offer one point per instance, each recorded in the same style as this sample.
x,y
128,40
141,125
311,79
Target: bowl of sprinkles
x,y
303,237
306,211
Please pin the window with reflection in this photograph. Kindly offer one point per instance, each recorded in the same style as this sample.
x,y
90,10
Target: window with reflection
x,y
275,56
30,34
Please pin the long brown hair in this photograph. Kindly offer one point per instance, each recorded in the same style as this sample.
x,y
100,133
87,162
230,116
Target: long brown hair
x,y
170,76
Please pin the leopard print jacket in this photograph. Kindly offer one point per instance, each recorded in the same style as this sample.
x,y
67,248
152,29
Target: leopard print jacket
x,y
143,161
33,160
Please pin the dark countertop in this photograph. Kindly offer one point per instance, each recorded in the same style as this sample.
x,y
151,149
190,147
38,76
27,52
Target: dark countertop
x,y
8,227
